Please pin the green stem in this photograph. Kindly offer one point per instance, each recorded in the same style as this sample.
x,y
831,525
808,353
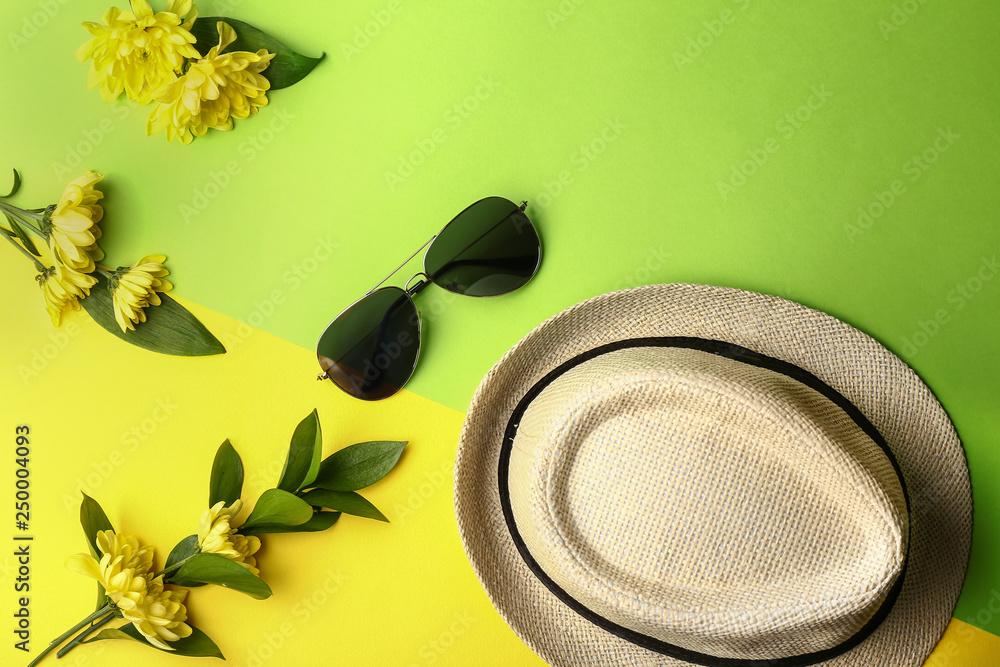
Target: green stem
x,y
23,217
80,637
38,265
106,609
166,572
20,211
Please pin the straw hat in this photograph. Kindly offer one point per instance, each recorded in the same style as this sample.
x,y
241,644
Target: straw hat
x,y
684,474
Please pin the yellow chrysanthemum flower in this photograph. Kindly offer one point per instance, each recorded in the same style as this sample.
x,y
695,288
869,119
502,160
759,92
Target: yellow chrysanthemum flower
x,y
138,51
160,615
133,288
124,571
217,535
72,225
212,92
62,287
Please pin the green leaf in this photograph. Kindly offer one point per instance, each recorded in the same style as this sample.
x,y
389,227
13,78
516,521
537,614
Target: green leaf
x,y
319,521
111,633
227,476
286,68
185,549
359,465
169,328
347,502
304,455
102,596
21,233
197,645
215,569
278,507
15,188
93,519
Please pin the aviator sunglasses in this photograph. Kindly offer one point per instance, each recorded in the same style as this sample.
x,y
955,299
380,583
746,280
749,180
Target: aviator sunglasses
x,y
370,350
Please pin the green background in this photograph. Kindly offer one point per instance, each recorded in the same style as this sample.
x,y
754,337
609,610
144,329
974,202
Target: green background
x,y
733,142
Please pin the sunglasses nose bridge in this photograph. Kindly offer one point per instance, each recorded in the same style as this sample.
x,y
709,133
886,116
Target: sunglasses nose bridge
x,y
423,280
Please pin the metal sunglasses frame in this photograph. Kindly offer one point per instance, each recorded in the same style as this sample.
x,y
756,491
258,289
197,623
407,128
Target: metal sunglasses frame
x,y
424,281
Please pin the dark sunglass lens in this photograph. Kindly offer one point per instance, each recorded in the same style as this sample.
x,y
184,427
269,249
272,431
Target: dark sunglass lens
x,y
490,248
370,350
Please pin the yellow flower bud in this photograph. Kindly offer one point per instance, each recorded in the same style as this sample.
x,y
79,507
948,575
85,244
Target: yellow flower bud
x,y
217,535
134,288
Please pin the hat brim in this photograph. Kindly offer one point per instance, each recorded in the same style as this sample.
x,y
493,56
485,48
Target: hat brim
x,y
877,382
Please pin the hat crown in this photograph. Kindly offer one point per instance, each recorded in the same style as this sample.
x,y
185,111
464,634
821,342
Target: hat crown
x,y
707,502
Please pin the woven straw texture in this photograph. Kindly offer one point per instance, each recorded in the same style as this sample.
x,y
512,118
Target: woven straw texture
x,y
622,484
889,394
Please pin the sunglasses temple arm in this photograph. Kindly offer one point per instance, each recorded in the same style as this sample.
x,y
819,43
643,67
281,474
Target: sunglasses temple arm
x,y
520,208
401,265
